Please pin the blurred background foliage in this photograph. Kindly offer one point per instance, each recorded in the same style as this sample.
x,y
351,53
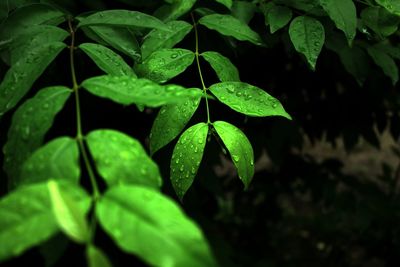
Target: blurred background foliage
x,y
327,184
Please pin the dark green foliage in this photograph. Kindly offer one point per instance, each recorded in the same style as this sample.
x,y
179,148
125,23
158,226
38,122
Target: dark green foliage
x,y
83,170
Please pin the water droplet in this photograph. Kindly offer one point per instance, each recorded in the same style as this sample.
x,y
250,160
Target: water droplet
x,y
235,158
175,55
46,105
177,161
143,171
201,141
193,170
231,90
252,162
196,149
239,94
182,168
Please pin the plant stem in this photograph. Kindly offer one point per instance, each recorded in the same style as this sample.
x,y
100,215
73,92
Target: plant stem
x,y
199,68
79,135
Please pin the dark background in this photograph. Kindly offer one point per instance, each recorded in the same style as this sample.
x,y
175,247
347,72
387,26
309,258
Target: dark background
x,y
326,188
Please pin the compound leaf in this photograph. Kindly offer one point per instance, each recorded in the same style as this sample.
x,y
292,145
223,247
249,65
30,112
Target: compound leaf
x,y
26,217
164,64
107,60
128,90
239,148
170,121
158,39
308,36
58,159
69,216
142,221
343,14
186,157
248,99
125,18
20,77
222,66
230,26
122,159
29,124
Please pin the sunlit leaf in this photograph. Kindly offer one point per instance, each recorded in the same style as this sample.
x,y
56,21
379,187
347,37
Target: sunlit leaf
x,y
248,99
385,62
125,18
222,66
107,60
27,219
158,39
142,221
230,26
120,38
128,90
69,216
186,157
308,36
239,148
120,158
58,159
165,64
96,258
344,14
278,17
393,6
20,77
170,121
29,124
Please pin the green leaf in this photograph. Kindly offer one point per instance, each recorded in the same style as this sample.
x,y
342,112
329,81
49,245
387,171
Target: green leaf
x,y
29,15
124,18
170,121
308,36
393,6
344,14
230,26
380,20
29,124
58,159
243,10
165,64
30,38
308,6
107,60
158,39
227,3
248,99
69,216
96,257
385,62
278,17
128,90
121,39
122,159
222,66
186,157
239,148
26,217
142,221
354,59
20,77
175,10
